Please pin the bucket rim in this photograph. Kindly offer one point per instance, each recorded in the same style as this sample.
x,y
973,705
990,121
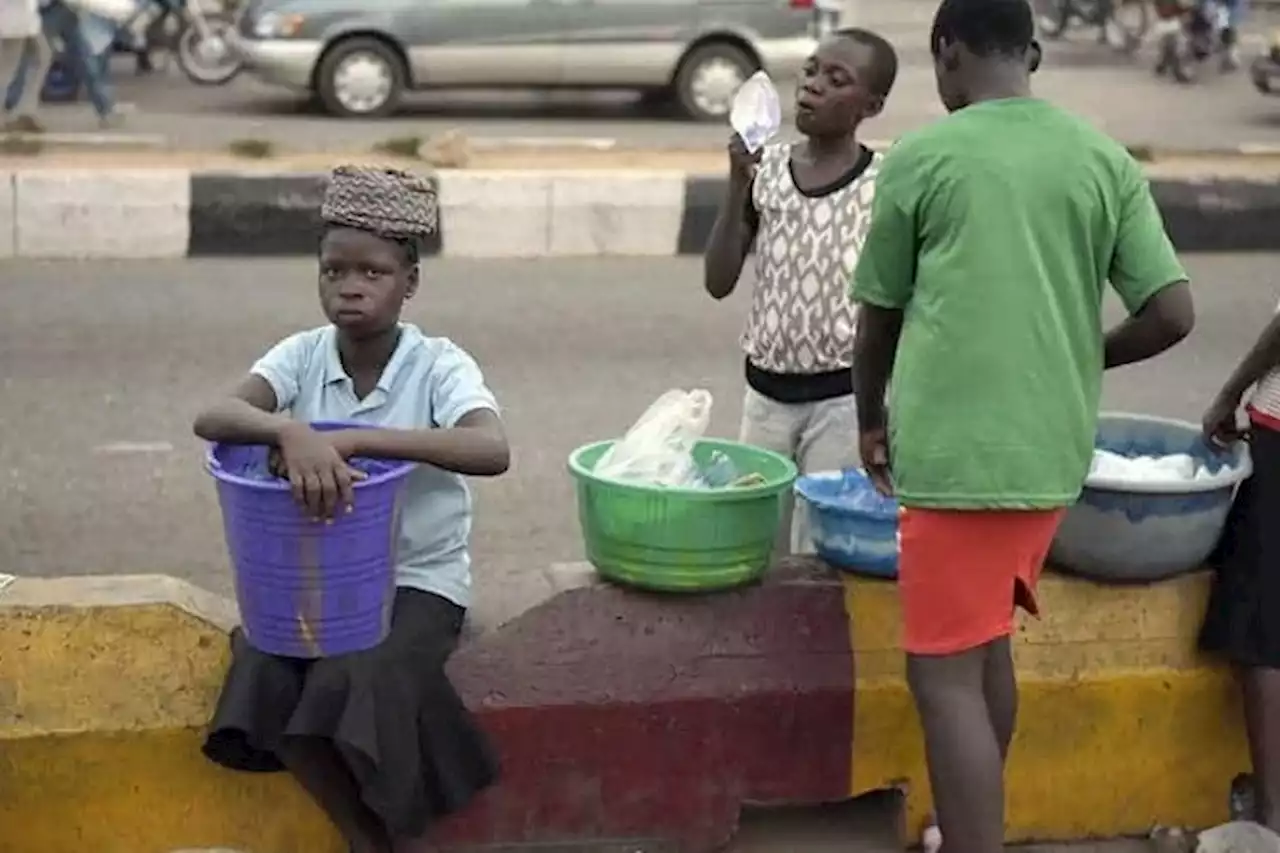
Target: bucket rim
x,y
804,487
583,474
399,470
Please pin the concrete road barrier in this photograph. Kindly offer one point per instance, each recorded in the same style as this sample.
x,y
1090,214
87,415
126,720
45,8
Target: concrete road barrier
x,y
166,213
624,721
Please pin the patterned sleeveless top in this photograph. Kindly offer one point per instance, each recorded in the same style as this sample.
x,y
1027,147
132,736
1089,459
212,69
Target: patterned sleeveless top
x,y
802,320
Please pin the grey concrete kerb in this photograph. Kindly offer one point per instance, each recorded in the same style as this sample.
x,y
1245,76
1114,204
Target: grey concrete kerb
x,y
89,591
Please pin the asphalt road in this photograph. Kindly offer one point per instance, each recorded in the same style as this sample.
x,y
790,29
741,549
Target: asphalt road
x,y
104,364
1120,94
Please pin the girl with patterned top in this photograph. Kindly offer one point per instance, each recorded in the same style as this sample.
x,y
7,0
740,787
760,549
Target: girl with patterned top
x,y
1243,617
803,209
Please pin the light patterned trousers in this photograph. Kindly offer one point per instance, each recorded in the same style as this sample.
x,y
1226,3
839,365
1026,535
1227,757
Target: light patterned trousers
x,y
820,436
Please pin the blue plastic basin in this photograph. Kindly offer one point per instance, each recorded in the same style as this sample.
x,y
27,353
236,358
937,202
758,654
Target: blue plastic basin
x,y
854,528
1145,531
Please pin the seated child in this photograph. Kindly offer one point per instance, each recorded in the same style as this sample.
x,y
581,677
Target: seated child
x,y
379,739
1243,618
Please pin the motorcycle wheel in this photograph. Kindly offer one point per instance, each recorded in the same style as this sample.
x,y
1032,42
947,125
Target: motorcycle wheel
x,y
1182,65
1054,18
211,62
1128,26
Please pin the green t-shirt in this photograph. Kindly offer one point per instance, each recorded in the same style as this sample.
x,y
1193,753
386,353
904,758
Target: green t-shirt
x,y
994,230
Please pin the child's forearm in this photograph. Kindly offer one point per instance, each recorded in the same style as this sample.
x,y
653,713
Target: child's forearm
x,y
478,451
1260,360
730,242
235,421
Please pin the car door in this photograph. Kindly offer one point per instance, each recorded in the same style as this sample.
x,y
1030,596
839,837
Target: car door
x,y
485,42
625,42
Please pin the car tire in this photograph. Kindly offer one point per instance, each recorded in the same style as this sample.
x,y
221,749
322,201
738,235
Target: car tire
x,y
379,60
717,59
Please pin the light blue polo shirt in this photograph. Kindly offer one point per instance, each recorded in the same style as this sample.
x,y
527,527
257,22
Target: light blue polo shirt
x,y
428,383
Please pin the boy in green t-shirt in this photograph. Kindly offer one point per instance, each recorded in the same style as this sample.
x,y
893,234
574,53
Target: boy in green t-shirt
x,y
993,234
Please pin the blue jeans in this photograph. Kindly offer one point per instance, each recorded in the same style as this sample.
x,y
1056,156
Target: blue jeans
x,y
61,23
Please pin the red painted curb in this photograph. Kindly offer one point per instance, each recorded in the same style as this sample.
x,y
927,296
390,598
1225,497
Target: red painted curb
x,y
624,715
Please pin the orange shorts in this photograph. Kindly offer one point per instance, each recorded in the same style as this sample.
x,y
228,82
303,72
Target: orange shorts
x,y
962,574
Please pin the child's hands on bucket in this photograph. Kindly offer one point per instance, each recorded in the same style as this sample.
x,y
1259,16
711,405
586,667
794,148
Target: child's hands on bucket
x,y
315,464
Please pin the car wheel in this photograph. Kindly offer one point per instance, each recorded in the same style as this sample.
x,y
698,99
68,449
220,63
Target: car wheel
x,y
361,78
709,77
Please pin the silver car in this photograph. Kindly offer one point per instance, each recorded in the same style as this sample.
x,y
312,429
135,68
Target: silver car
x,y
359,57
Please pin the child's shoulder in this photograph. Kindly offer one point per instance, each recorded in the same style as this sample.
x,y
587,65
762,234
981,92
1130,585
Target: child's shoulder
x,y
434,354
775,156
307,339
421,343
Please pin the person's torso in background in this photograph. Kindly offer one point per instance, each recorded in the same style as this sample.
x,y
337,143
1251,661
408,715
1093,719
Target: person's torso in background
x,y
801,320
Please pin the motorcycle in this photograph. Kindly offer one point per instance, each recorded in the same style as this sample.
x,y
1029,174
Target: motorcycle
x,y
1122,24
1265,70
1188,33
202,41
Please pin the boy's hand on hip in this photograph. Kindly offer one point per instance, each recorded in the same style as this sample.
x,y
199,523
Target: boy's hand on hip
x,y
873,446
317,471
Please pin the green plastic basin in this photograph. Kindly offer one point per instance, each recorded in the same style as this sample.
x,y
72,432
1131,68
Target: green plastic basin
x,y
682,540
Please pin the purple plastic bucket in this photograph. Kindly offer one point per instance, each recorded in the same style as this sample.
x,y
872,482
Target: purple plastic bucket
x,y
307,589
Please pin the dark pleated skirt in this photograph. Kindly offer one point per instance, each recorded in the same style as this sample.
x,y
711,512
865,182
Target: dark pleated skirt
x,y
414,749
1242,621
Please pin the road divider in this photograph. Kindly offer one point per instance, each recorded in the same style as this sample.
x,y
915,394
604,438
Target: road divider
x,y
623,721
512,213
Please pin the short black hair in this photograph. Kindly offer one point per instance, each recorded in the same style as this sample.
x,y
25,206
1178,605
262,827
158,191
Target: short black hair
x,y
884,59
997,28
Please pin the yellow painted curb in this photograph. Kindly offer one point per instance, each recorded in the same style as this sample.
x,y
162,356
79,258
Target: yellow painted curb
x,y
105,687
1122,724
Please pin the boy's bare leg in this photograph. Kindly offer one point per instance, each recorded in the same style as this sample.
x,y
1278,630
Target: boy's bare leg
x,y
962,745
318,767
1000,687
1262,723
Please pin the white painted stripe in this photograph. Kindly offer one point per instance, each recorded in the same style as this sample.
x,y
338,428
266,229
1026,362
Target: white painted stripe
x,y
122,447
102,213
539,213
630,213
498,143
93,140
494,214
